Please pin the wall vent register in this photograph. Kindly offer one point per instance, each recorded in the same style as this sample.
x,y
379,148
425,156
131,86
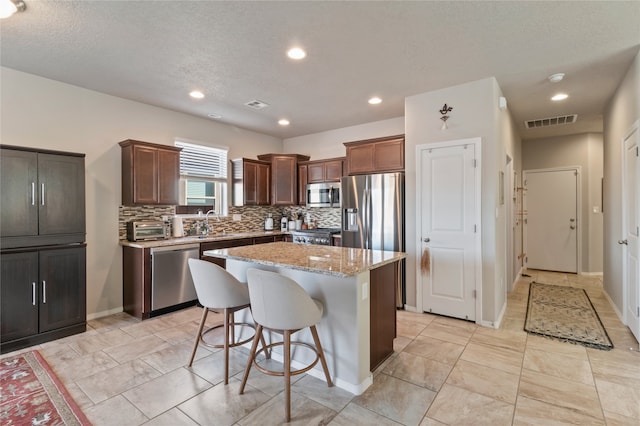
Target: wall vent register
x,y
551,121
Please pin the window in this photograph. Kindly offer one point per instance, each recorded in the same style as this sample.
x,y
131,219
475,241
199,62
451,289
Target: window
x,y
203,176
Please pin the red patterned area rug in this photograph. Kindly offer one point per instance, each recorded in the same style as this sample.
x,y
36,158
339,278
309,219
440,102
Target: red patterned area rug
x,y
31,394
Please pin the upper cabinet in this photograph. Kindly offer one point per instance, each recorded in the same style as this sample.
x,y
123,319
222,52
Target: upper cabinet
x,y
302,184
150,173
375,155
42,197
284,177
251,182
325,170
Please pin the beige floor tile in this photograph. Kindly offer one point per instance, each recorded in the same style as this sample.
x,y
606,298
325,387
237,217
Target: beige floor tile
x,y
79,397
355,415
401,342
560,392
270,385
574,368
211,367
532,412
619,399
616,366
496,384
396,399
491,356
427,421
409,329
551,345
175,356
112,322
304,411
58,353
415,317
100,341
108,383
501,338
182,333
222,405
447,332
136,348
317,390
615,419
455,322
418,370
165,392
84,366
116,411
435,349
173,417
457,406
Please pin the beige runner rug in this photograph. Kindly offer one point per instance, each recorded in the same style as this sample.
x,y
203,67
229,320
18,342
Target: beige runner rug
x,y
566,314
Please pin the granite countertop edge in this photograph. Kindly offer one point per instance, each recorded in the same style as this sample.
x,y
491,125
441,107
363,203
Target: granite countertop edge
x,y
173,241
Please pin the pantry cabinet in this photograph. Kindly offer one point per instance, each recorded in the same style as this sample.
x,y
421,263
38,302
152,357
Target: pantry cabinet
x,y
43,295
284,177
375,155
251,182
150,173
42,197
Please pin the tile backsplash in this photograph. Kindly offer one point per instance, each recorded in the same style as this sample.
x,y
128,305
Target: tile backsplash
x,y
251,217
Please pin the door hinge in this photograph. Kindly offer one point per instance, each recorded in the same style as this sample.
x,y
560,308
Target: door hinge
x,y
638,314
637,151
475,229
475,163
474,294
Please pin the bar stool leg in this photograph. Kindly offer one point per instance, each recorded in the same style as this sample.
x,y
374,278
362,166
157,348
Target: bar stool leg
x,y
287,375
233,330
205,311
252,355
316,340
226,346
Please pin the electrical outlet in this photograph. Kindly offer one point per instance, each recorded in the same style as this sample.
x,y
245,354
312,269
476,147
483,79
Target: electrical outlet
x,y
365,291
237,217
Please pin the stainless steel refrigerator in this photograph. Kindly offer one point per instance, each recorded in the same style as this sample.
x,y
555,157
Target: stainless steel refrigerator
x,y
373,216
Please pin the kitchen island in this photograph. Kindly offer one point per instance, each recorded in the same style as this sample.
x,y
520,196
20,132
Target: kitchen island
x,y
357,288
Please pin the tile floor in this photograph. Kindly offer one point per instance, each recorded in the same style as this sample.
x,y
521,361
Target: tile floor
x,y
444,372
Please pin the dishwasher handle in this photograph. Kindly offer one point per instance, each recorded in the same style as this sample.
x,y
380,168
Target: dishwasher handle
x,y
181,247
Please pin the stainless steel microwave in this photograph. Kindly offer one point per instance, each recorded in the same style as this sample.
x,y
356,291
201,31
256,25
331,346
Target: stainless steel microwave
x,y
323,194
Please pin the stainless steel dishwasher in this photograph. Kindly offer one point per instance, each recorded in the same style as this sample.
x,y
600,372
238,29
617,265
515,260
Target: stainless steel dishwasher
x,y
171,282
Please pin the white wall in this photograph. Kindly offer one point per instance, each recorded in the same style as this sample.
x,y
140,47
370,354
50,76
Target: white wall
x,y
42,113
621,112
584,150
475,114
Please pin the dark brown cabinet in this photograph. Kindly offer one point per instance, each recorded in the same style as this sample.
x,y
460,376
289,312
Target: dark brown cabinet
x,y
302,184
150,173
251,182
43,295
42,198
325,170
375,155
383,312
214,245
284,177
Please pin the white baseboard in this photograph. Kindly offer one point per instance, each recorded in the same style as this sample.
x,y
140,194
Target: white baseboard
x,y
592,273
104,313
613,305
411,309
515,280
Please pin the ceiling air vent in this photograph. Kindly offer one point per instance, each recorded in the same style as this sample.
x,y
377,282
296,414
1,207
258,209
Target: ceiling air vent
x,y
552,121
256,104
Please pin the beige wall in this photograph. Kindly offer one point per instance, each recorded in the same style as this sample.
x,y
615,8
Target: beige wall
x,y
42,113
586,151
621,113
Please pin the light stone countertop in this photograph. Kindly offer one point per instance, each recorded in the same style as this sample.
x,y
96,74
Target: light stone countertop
x,y
194,239
328,260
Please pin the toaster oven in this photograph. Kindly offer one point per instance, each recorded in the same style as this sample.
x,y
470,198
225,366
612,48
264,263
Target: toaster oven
x,y
147,230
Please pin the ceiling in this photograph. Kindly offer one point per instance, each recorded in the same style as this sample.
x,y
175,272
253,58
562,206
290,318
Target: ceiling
x,y
156,52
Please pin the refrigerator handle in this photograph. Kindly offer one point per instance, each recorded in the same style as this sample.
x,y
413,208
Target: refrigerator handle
x,y
366,216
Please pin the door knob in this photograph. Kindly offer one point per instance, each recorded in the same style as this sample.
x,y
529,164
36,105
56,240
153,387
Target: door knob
x,y
426,240
623,242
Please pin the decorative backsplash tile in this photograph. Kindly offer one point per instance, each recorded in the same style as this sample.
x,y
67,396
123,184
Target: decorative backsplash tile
x,y
252,218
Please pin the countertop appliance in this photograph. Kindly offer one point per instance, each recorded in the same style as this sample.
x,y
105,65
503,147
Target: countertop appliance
x,y
320,236
147,230
171,282
373,216
323,194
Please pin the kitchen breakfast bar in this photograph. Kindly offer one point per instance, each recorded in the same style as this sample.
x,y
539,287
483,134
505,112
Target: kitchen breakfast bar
x,y
358,290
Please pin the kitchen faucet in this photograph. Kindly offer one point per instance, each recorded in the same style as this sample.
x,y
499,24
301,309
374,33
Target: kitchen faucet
x,y
206,220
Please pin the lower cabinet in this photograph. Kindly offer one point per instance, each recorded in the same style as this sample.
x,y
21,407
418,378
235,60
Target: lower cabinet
x,y
383,282
43,295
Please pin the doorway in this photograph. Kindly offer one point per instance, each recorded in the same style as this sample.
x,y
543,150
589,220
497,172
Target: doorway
x,y
631,229
552,225
448,237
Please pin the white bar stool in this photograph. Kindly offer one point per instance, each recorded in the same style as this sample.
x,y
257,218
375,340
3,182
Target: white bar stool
x,y
218,290
279,304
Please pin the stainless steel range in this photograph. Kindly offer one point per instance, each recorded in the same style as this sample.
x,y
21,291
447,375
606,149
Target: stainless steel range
x,y
320,236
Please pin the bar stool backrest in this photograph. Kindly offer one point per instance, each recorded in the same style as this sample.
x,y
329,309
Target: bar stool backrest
x,y
215,287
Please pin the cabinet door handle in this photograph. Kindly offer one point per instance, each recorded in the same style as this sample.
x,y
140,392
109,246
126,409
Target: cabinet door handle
x,y
33,193
33,293
44,291
42,194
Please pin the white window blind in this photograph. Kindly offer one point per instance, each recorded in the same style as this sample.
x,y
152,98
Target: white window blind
x,y
202,161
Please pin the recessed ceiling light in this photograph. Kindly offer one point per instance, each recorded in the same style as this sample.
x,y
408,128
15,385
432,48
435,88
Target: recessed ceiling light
x,y
196,94
375,100
214,115
555,78
283,122
296,53
559,97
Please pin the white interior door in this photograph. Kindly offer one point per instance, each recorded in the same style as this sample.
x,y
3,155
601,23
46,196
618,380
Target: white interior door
x,y
449,222
631,231
551,201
